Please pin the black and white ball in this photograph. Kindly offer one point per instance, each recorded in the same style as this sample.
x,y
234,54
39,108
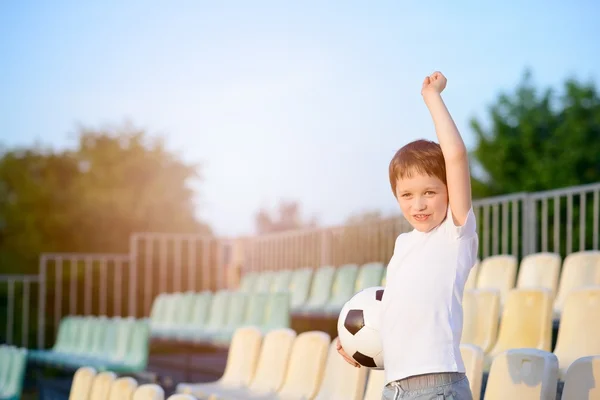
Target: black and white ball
x,y
358,327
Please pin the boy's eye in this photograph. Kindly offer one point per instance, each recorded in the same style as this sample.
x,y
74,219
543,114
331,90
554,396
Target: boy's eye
x,y
406,195
429,192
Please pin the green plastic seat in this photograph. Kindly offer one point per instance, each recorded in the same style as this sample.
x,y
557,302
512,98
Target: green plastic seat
x,y
277,312
254,315
13,372
320,290
342,289
247,282
198,317
369,275
234,316
281,281
299,286
217,316
168,319
264,282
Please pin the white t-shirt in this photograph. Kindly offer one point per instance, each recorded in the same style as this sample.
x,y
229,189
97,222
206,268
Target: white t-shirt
x,y
422,315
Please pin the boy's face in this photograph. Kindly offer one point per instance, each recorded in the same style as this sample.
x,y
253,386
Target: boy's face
x,y
423,200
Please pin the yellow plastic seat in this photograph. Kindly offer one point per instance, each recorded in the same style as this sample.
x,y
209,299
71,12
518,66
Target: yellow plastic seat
x,y
498,273
523,374
579,331
472,279
539,270
123,388
582,380
526,322
473,359
149,391
82,383
580,269
481,313
375,384
101,386
341,380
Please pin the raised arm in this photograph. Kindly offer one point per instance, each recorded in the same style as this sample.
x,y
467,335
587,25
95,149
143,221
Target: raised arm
x,y
455,153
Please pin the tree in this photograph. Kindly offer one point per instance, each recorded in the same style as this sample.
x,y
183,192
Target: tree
x,y
287,218
91,199
539,139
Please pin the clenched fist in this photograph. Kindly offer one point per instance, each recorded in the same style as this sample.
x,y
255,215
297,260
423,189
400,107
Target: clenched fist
x,y
435,83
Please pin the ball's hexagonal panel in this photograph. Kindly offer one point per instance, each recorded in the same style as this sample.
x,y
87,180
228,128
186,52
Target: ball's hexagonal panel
x,y
379,295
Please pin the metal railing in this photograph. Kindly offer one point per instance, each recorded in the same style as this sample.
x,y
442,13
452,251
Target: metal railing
x,y
13,283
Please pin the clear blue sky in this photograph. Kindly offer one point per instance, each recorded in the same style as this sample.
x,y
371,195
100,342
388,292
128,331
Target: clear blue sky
x,y
298,100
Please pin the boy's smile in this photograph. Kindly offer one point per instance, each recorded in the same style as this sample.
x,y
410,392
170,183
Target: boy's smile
x,y
423,200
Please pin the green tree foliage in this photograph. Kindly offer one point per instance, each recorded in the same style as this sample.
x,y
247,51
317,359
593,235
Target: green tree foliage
x,y
539,139
91,199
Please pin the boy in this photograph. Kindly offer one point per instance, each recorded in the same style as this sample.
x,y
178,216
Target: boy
x,y
422,321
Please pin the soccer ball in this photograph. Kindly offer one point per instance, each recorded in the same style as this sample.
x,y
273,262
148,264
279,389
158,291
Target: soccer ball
x,y
358,327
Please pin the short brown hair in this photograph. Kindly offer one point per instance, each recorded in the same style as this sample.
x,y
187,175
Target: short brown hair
x,y
421,156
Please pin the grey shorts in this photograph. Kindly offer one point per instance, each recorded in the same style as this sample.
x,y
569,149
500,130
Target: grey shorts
x,y
441,386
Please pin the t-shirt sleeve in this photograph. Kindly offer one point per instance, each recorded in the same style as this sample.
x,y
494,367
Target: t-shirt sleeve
x,y
467,230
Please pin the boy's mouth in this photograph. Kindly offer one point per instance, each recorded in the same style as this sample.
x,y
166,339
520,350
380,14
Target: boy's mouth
x,y
421,217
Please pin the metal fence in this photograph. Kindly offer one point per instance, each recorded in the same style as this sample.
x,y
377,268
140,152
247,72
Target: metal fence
x,y
560,221
19,292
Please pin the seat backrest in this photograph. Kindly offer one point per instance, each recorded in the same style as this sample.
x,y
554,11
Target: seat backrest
x,y
473,358
582,378
242,357
539,270
123,388
157,312
6,354
62,333
340,379
369,275
344,282
200,308
255,308
183,315
281,281
498,272
247,282
526,321
149,391
375,384
481,313
580,269
98,336
217,313
277,312
123,338
82,383
263,282
306,365
321,286
102,385
84,336
300,283
523,374
236,308
181,396
139,346
72,336
273,360
13,383
579,331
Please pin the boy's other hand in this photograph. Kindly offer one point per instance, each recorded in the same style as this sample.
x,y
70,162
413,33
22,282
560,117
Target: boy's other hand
x,y
348,359
434,83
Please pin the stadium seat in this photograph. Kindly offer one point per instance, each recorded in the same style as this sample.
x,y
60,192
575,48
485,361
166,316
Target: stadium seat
x,y
239,369
481,314
166,320
526,322
264,282
247,282
340,379
270,370
123,388
472,279
198,316
82,383
300,283
217,315
13,362
320,290
369,275
281,281
253,316
277,312
523,374
342,289
181,397
305,368
579,332
102,385
237,304
498,273
149,391
473,359
580,269
158,311
539,270
375,384
582,379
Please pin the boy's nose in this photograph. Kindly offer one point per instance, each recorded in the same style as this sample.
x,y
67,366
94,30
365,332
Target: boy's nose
x,y
420,204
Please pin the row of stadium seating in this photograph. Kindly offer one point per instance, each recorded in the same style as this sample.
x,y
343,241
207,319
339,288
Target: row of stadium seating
x,y
13,362
91,384
213,317
109,344
526,322
283,364
324,290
